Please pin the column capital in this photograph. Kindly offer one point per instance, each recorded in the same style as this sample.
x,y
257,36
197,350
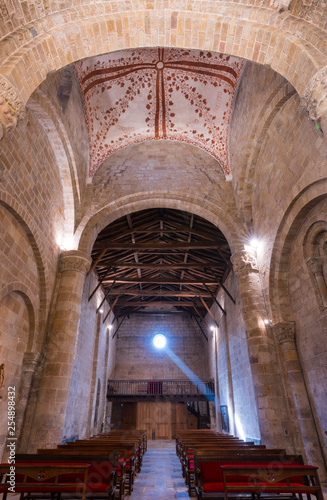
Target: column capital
x,y
314,99
285,331
244,261
315,265
75,260
32,360
12,108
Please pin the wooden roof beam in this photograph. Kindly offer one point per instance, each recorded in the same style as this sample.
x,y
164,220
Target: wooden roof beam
x,y
161,281
174,265
156,293
152,303
156,245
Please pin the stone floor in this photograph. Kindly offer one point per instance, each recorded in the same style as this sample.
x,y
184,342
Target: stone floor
x,y
161,475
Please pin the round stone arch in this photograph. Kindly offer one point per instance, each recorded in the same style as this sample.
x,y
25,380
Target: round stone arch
x,y
306,200
127,205
258,34
48,118
31,305
315,255
28,225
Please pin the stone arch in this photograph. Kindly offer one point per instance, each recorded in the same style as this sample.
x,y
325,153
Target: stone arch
x,y
91,227
302,204
258,34
17,322
31,306
272,106
30,230
315,255
47,116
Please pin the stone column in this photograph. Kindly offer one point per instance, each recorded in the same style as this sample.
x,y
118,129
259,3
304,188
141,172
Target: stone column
x,y
50,412
267,380
285,333
12,108
24,414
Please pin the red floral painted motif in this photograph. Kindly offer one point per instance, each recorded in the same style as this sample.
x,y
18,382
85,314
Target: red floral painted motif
x,y
147,94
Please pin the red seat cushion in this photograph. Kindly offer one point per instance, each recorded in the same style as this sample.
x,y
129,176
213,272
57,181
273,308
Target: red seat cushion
x,y
218,487
66,488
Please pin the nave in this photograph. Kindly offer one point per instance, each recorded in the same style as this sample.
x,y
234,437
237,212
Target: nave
x,y
123,465
161,474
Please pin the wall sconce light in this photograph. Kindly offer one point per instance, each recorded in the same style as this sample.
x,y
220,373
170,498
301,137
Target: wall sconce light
x,y
254,243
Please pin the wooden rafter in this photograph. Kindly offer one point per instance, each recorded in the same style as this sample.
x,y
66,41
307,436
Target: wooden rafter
x,y
161,257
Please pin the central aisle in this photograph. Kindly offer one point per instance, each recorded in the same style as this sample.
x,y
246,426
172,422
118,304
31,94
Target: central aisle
x,y
161,475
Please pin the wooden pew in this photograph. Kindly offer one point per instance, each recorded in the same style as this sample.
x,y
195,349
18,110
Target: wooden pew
x,y
44,480
229,456
256,476
67,455
133,456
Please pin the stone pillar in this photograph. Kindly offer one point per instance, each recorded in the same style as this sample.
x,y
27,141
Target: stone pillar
x,y
12,108
31,362
269,391
50,412
285,333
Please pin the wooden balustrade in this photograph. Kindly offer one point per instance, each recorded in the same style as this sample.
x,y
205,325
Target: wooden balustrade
x,y
179,390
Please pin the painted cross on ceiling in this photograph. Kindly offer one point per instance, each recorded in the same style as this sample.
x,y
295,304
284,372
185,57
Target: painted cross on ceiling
x,y
152,94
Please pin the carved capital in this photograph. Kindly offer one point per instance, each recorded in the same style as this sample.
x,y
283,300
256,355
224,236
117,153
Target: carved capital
x,y
315,265
285,331
284,5
314,99
31,361
244,261
74,260
12,108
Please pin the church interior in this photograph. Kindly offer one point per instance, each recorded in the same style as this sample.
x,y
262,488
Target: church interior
x,y
163,173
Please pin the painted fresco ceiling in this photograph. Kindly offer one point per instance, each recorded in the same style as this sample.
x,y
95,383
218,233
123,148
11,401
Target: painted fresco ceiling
x,y
144,94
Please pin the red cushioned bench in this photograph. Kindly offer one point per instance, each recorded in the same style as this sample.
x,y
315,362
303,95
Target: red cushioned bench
x,y
216,479
212,458
50,480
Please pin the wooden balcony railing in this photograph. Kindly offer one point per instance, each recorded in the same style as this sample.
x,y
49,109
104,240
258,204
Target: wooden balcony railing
x,y
180,390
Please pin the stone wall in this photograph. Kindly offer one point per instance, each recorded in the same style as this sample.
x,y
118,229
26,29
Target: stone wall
x,y
234,372
61,91
138,359
91,365
31,220
310,328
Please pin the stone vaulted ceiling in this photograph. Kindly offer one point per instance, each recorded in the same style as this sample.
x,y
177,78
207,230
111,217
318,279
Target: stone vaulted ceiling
x,y
144,94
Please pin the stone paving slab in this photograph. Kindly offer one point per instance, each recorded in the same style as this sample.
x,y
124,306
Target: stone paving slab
x,y
161,475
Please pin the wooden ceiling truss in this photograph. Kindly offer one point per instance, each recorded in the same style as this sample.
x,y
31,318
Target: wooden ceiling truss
x,y
161,261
